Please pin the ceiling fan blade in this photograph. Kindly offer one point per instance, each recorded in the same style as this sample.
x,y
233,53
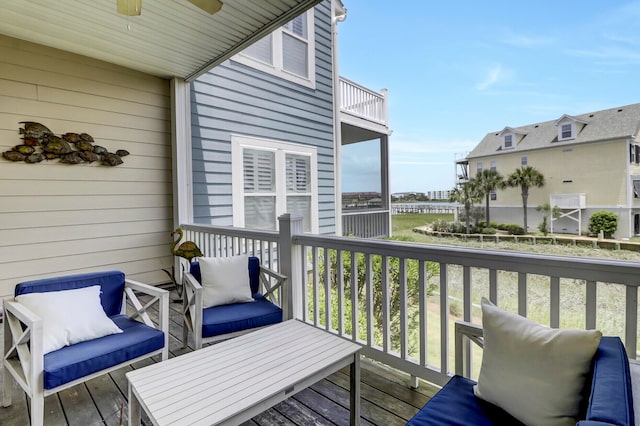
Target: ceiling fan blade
x,y
209,6
129,7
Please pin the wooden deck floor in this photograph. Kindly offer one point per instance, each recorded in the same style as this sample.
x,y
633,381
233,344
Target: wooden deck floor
x,y
386,398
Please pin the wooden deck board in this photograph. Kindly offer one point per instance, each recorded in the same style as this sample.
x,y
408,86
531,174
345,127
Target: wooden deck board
x,y
386,398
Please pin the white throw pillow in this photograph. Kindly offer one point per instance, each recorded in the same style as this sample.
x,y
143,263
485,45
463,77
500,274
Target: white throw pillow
x,y
69,316
225,280
535,373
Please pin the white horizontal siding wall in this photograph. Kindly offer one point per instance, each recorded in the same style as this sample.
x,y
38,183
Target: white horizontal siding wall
x,y
236,99
59,219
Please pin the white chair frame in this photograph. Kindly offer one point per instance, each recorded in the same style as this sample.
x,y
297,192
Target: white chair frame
x,y
465,333
271,282
23,360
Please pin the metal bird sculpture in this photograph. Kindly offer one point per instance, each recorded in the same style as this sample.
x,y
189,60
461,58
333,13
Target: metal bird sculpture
x,y
187,249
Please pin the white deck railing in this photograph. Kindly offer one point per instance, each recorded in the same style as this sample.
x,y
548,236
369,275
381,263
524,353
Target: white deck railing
x,y
365,103
405,304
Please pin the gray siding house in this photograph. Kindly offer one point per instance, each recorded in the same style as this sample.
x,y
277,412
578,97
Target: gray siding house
x,y
265,133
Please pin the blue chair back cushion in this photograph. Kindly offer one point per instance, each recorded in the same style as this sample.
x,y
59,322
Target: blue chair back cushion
x,y
611,400
79,360
254,273
110,282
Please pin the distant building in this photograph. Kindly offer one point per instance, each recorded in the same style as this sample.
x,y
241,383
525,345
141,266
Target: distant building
x,y
591,162
439,195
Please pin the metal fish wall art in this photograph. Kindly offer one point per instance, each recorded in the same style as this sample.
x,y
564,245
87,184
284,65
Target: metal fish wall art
x,y
39,143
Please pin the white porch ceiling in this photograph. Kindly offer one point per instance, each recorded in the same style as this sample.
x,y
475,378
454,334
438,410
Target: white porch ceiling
x,y
171,38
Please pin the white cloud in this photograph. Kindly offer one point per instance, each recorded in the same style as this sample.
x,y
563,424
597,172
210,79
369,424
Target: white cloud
x,y
494,75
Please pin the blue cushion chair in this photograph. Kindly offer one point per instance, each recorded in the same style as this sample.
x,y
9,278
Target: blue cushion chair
x,y
226,321
610,400
40,375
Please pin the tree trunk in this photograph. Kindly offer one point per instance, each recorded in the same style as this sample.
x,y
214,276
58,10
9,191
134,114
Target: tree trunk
x,y
467,219
525,196
488,221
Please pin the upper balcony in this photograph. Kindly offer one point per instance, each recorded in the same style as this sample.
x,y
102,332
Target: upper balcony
x,y
362,109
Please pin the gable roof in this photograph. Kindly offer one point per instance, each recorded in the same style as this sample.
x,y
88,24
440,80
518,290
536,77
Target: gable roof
x,y
170,38
615,123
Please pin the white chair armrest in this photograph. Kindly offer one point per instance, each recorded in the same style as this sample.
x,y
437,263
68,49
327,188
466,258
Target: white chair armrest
x,y
23,345
472,332
266,274
159,296
191,308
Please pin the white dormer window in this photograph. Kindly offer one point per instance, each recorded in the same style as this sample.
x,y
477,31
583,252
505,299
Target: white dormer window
x,y
566,131
508,141
568,127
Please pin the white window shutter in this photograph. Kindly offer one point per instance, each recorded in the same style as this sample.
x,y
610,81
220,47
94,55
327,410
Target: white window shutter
x,y
298,173
259,170
295,57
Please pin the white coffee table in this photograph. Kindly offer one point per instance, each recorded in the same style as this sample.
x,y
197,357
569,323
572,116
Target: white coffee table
x,y
233,381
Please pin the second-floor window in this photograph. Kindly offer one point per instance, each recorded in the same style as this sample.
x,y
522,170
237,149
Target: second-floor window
x,y
288,52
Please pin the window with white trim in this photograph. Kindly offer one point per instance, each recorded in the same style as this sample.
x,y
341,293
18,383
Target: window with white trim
x,y
524,160
479,167
271,178
566,131
493,195
494,165
288,52
508,141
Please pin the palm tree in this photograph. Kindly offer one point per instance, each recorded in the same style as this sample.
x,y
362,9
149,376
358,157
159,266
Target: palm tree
x,y
488,180
467,194
525,177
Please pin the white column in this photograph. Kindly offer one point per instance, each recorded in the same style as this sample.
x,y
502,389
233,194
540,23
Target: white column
x,y
181,166
181,151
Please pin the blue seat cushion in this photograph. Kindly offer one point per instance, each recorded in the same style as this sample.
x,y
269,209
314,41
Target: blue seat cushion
x,y
84,358
456,405
111,285
225,319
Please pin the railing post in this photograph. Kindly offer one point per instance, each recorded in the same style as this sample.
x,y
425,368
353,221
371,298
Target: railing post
x,y
290,260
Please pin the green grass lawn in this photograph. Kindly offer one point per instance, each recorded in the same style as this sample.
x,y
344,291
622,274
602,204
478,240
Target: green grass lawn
x,y
402,224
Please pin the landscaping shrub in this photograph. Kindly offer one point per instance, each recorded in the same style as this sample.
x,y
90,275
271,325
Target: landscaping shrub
x,y
604,221
488,231
514,229
441,225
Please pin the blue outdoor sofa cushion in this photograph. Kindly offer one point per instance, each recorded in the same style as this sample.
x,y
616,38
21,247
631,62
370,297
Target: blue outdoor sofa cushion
x,y
223,319
610,399
84,358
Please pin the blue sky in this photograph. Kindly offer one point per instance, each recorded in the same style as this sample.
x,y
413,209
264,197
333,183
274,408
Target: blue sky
x,y
458,70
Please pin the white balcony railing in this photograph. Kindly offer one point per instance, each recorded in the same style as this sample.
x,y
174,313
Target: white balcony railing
x,y
404,304
362,102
